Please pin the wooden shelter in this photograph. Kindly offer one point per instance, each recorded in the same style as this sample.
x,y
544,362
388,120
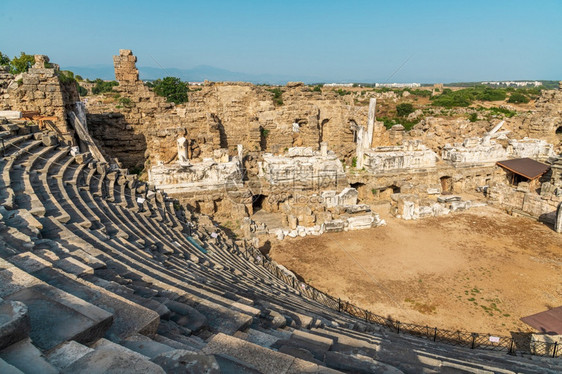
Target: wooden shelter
x,y
523,170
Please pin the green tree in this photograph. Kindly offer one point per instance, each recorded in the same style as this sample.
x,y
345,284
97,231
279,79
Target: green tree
x,y
21,64
518,98
172,88
4,60
101,86
403,109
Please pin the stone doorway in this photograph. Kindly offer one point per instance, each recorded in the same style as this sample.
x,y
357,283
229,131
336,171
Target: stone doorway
x,y
446,184
258,202
362,191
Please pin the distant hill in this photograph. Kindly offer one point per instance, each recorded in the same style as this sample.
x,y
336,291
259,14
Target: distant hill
x,y
195,74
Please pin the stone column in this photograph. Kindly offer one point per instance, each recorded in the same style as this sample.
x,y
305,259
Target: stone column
x,y
182,151
240,149
324,149
359,150
370,122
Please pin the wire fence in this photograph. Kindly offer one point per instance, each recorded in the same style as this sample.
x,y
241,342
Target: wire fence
x,y
522,343
518,343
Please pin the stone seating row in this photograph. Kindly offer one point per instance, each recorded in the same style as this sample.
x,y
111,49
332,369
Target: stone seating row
x,y
108,278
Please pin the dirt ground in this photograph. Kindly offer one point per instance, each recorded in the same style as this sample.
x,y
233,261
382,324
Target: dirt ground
x,y
478,271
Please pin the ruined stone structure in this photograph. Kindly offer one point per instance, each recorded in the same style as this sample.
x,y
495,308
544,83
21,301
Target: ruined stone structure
x,y
412,155
41,91
134,282
102,273
220,115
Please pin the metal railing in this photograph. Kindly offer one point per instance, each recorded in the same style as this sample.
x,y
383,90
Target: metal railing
x,y
516,344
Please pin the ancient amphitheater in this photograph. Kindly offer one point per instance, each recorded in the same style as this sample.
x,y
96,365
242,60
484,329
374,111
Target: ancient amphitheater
x,y
102,272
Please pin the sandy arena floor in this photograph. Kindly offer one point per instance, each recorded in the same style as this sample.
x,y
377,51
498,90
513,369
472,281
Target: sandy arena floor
x,y
479,271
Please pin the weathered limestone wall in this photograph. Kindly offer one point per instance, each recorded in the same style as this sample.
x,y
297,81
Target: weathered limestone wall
x,y
219,115
520,200
546,119
442,178
531,148
200,177
41,90
412,155
303,167
474,151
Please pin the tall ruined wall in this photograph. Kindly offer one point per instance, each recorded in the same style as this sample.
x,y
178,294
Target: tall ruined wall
x,y
139,125
547,118
136,125
41,90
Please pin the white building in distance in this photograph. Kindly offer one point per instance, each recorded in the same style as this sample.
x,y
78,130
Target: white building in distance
x,y
398,85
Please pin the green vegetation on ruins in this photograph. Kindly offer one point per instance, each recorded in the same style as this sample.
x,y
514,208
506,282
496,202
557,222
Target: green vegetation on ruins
x,y
172,88
277,96
101,86
19,64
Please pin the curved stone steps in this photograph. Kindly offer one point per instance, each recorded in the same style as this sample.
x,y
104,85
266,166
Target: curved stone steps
x,y
23,196
40,185
110,178
97,185
72,187
10,165
37,207
232,292
120,189
128,317
408,353
91,172
133,260
136,227
57,187
108,222
11,143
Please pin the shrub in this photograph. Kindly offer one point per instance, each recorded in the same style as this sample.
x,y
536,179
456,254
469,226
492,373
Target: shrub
x,y
354,162
422,93
66,76
403,109
342,92
21,64
450,99
172,88
101,86
473,117
277,96
490,94
82,91
518,98
264,132
389,122
4,60
79,78
126,102
317,88
506,112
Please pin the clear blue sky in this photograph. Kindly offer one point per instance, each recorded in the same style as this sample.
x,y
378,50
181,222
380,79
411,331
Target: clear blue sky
x,y
447,40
